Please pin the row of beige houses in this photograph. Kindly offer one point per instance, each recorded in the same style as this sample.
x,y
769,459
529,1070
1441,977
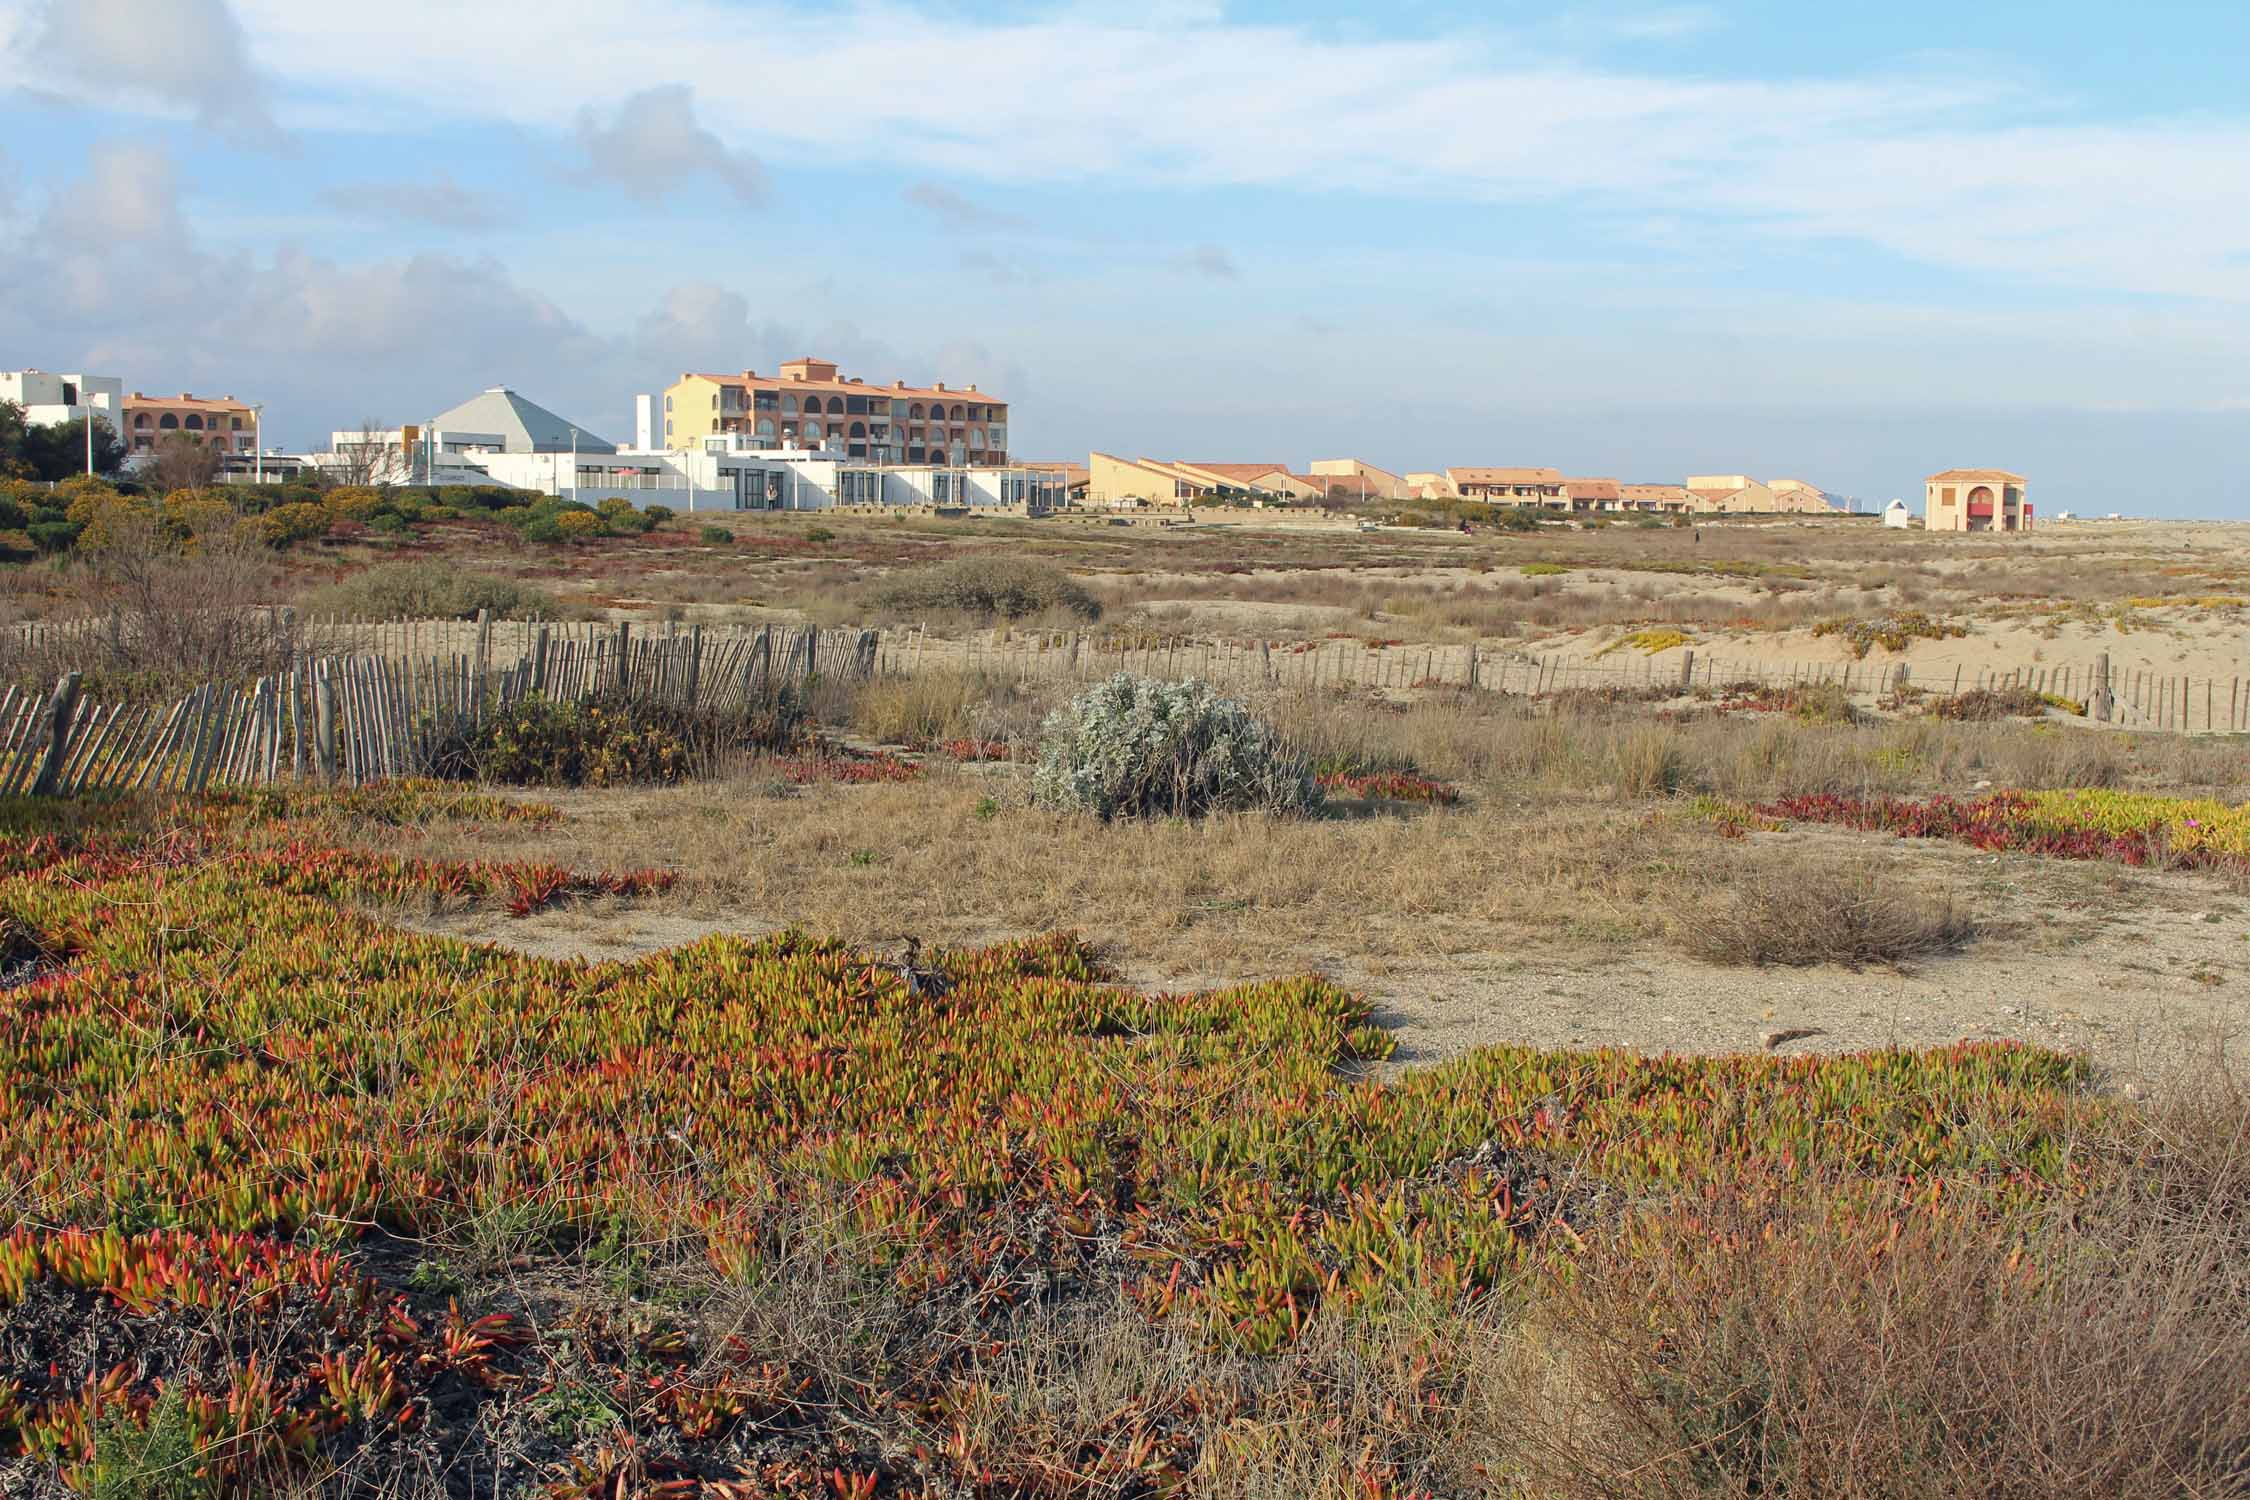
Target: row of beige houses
x,y
1110,479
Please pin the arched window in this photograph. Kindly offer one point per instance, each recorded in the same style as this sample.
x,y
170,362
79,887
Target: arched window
x,y
859,429
140,421
765,427
789,406
914,412
194,422
976,437
812,432
958,412
168,421
960,454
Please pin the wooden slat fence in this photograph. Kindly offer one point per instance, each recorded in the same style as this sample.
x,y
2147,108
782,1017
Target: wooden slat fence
x,y
381,711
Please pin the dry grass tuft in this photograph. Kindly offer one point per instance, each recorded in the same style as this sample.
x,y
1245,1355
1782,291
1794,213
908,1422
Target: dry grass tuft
x,y
1789,909
1835,1348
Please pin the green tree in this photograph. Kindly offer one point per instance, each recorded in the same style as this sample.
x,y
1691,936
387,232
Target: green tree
x,y
59,451
13,463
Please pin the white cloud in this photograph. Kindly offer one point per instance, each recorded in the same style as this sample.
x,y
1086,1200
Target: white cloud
x,y
178,56
1076,96
438,199
956,211
654,143
1213,261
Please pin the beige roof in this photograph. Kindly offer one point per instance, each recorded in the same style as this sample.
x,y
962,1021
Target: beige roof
x,y
1234,471
198,403
1976,476
1504,476
744,381
1591,489
1652,491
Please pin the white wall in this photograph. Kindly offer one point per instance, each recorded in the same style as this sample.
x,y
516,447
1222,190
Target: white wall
x,y
40,394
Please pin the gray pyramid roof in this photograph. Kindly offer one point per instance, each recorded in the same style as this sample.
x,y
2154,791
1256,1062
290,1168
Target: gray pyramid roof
x,y
524,426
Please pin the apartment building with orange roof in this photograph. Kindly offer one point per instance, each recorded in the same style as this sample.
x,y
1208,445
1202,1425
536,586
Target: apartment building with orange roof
x,y
226,424
809,404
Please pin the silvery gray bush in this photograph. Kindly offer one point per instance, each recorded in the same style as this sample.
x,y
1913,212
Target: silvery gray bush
x,y
1134,746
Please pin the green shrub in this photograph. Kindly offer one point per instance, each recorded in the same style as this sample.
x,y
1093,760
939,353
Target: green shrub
x,y
820,534
657,515
1544,570
578,525
1516,518
991,586
12,517
294,522
52,536
388,521
716,536
620,515
1136,747
433,590
610,741
544,529
155,1460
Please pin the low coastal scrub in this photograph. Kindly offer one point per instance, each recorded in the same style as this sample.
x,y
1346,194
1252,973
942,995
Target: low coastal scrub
x,y
433,591
1894,632
305,1198
2131,828
985,586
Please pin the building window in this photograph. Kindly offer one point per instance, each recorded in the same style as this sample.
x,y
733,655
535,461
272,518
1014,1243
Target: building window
x,y
168,421
765,427
958,409
194,422
859,429
789,406
812,432
667,403
140,421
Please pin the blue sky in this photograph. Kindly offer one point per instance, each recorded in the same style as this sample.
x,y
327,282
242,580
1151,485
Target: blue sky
x,y
1846,244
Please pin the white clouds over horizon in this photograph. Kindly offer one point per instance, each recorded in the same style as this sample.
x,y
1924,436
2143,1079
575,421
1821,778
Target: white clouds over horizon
x,y
1894,160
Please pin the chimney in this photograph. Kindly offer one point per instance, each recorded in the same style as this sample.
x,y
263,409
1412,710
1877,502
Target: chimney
x,y
972,385
941,385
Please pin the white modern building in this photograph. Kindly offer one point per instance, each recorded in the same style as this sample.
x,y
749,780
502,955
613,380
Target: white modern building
x,y
50,400
730,472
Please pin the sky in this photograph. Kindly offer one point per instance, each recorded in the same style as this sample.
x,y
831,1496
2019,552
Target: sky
x,y
1850,245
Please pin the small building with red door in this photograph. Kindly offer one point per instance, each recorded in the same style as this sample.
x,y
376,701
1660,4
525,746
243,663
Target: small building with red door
x,y
1976,500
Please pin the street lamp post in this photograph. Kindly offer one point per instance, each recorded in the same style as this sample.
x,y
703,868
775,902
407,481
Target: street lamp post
x,y
258,442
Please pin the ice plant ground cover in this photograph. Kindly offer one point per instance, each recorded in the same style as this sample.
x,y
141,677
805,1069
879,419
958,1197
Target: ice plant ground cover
x,y
2134,828
241,1117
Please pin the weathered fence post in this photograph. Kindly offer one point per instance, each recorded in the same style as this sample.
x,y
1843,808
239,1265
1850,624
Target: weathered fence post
x,y
2102,701
539,661
324,722
62,708
1687,670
